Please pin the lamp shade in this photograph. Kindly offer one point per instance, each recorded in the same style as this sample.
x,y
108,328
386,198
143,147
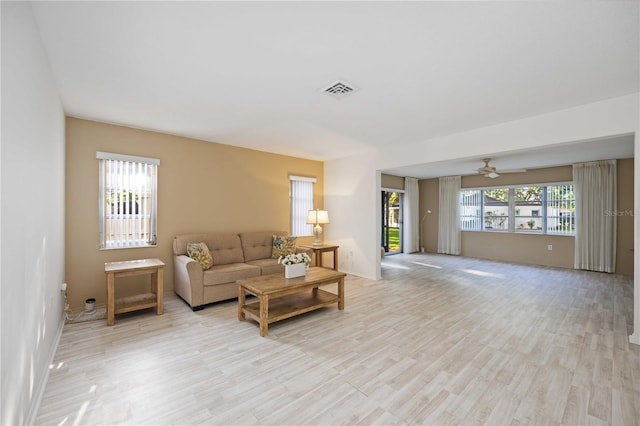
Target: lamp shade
x,y
318,216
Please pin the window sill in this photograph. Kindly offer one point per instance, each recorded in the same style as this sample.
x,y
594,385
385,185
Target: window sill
x,y
129,247
495,231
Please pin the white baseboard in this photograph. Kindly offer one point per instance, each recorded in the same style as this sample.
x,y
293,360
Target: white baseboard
x,y
42,384
634,338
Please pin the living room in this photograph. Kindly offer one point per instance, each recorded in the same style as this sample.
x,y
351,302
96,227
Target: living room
x,y
50,177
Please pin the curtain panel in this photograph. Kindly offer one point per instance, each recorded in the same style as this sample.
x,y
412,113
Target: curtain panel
x,y
448,218
410,213
595,241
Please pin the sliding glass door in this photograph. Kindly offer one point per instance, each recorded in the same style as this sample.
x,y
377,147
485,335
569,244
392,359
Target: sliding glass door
x,y
391,222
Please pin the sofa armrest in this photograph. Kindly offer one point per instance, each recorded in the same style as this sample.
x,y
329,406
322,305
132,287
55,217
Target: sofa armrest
x,y
188,280
304,250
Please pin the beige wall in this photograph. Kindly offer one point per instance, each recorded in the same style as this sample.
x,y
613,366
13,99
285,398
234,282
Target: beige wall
x,y
624,247
512,247
391,181
530,249
429,202
202,186
546,175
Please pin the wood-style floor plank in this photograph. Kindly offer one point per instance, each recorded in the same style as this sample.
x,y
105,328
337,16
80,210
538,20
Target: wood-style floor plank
x,y
439,340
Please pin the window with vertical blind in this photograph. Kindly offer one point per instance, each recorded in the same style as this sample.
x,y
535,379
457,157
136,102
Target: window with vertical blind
x,y
560,209
301,195
127,200
532,209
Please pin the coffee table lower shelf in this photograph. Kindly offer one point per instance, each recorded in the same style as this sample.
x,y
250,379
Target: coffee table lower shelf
x,y
280,297
291,305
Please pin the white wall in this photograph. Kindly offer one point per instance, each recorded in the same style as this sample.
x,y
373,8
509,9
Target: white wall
x,y
351,192
635,337
350,213
32,169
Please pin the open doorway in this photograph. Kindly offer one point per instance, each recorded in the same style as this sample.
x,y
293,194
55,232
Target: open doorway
x,y
391,222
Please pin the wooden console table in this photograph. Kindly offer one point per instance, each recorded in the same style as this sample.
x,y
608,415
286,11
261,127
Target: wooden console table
x,y
280,298
318,250
153,267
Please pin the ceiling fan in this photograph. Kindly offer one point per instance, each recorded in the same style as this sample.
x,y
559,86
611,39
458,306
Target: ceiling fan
x,y
491,172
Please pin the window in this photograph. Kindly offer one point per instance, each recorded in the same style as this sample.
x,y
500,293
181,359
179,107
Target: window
x,y
301,203
561,209
541,209
528,203
496,209
470,210
127,201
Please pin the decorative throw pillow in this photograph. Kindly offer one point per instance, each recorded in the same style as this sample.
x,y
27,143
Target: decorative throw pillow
x,y
200,253
283,246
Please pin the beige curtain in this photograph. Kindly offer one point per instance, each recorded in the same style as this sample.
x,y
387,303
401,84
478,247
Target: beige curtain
x,y
448,217
595,241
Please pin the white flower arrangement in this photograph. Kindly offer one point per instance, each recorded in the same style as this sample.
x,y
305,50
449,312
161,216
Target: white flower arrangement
x,y
293,259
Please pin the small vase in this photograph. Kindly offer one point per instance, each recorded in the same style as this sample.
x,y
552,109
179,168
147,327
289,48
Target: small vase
x,y
295,270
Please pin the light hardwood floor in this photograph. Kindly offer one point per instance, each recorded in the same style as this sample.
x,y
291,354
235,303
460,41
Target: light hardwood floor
x,y
440,340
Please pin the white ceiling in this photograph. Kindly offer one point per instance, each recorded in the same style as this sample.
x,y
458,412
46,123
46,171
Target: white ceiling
x,y
615,147
249,73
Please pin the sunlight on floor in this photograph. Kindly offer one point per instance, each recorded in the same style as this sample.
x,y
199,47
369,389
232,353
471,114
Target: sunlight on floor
x,y
394,266
482,273
427,265
81,412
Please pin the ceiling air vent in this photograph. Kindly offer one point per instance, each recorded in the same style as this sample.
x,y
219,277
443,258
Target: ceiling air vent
x,y
339,89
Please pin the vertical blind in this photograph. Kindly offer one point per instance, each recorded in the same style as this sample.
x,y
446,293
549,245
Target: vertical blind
x,y
471,210
560,209
301,203
544,209
128,200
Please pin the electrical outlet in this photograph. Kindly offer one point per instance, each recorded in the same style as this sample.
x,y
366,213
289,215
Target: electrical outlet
x,y
350,253
549,247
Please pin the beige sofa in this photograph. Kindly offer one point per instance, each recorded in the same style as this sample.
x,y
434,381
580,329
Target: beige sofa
x,y
235,257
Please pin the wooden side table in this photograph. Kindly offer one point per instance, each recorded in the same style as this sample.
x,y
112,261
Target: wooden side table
x,y
318,250
153,267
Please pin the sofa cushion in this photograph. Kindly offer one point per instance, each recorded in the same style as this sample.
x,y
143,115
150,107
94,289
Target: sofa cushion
x,y
258,245
282,246
200,253
222,274
225,248
180,242
268,266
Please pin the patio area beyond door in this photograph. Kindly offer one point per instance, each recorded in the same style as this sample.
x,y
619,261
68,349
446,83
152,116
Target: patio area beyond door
x,y
392,222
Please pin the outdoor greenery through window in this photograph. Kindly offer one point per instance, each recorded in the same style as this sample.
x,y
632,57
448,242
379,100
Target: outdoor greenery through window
x,y
127,201
535,209
392,221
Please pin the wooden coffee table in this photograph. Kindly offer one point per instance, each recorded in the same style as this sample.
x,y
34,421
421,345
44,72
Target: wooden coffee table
x,y
280,298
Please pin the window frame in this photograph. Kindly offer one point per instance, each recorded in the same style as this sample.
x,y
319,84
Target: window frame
x,y
479,218
149,211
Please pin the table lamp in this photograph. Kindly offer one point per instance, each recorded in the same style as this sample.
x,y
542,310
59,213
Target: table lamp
x,y
316,217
